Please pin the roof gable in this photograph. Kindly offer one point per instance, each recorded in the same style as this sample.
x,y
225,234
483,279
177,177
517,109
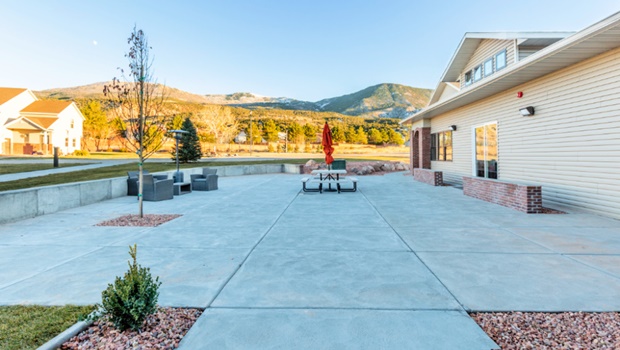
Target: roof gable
x,y
470,42
587,43
7,94
46,106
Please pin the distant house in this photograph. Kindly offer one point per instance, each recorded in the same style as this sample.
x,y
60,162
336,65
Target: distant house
x,y
29,125
540,108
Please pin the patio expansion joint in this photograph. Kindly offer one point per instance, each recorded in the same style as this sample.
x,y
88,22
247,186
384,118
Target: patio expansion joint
x,y
329,308
221,288
413,251
49,268
570,256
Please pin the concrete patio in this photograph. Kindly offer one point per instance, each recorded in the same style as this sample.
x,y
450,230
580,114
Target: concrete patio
x,y
395,265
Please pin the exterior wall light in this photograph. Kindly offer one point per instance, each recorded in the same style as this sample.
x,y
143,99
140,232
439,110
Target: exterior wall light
x,y
452,128
527,111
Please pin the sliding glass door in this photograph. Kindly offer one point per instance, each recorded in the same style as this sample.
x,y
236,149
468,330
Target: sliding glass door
x,y
485,161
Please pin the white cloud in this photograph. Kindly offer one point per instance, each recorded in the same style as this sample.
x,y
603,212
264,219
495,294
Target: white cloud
x,y
95,42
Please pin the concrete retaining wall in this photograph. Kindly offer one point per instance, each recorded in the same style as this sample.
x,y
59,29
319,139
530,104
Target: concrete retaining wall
x,y
27,203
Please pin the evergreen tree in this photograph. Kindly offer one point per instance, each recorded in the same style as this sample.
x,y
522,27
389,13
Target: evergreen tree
x,y
375,137
189,144
270,131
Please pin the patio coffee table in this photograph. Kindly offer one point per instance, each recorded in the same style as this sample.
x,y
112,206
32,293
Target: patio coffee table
x,y
179,188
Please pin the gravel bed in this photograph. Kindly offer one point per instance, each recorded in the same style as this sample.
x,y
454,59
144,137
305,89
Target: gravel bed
x,y
150,220
163,330
544,330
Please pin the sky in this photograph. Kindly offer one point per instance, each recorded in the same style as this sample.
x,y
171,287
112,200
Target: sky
x,y
302,49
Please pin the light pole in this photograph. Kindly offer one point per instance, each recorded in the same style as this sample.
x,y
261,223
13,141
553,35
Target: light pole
x,y
251,138
178,176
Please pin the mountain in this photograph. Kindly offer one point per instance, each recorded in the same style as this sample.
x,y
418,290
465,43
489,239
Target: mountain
x,y
383,100
378,100
96,91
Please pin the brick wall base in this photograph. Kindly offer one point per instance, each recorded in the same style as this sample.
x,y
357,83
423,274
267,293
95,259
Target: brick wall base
x,y
431,177
527,199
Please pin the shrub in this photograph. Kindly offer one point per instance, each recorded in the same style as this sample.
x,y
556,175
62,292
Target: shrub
x,y
81,153
131,298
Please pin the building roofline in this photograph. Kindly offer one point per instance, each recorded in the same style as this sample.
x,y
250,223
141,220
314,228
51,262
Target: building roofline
x,y
566,52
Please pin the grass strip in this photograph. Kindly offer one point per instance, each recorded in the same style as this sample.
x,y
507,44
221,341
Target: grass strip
x,y
28,327
153,167
24,168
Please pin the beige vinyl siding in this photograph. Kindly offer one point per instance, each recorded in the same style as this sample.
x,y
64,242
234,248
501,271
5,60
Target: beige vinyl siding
x,y
486,49
525,51
571,146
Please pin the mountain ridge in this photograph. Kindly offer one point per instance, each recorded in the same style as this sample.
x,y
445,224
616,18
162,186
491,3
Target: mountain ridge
x,y
381,100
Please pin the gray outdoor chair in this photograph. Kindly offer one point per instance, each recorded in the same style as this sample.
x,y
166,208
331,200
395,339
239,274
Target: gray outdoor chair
x,y
207,181
156,190
132,181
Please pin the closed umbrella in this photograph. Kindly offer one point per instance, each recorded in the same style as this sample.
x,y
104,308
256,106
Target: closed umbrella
x,y
327,144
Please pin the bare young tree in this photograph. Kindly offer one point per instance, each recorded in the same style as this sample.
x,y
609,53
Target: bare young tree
x,y
218,122
138,104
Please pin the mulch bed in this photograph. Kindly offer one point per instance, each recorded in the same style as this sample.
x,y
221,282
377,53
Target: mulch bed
x,y
163,330
545,330
148,220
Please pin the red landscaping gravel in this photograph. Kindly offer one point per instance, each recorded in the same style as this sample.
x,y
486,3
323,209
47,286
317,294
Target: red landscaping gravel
x,y
163,330
543,330
149,220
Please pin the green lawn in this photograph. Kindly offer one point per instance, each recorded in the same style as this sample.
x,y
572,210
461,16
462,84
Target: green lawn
x,y
23,168
121,170
28,327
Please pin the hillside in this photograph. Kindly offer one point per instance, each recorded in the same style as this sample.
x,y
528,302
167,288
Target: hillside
x,y
96,91
383,100
378,100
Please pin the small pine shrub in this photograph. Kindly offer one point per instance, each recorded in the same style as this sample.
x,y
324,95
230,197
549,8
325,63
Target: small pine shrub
x,y
131,298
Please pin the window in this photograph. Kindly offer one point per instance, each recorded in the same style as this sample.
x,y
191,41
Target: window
x,y
441,146
66,142
74,142
486,151
478,73
72,124
500,60
468,79
488,67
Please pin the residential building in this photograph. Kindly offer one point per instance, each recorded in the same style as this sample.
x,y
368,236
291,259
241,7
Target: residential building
x,y
535,108
32,126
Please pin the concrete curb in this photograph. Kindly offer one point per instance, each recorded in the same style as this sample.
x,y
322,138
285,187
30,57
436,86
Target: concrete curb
x,y
67,334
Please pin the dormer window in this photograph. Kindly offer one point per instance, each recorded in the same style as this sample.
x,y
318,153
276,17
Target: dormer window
x,y
500,60
477,73
468,78
488,67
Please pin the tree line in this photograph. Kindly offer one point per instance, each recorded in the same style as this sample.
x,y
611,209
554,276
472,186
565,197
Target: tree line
x,y
221,124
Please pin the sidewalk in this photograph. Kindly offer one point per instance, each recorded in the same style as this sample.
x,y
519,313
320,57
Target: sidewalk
x,y
395,265
95,164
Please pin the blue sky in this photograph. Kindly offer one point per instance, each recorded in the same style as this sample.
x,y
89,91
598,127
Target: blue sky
x,y
304,49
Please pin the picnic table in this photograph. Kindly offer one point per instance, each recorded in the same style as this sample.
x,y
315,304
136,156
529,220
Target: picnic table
x,y
330,176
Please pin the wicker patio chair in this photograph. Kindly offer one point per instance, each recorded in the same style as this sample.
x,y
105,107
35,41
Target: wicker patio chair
x,y
207,181
156,190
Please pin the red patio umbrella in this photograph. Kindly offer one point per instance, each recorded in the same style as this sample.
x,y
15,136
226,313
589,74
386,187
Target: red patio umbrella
x,y
327,144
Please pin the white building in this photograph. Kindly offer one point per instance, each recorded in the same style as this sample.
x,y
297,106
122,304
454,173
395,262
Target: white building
x,y
29,125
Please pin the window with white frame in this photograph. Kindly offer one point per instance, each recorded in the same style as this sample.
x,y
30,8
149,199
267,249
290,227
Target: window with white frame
x,y
468,78
500,60
477,73
441,146
488,67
